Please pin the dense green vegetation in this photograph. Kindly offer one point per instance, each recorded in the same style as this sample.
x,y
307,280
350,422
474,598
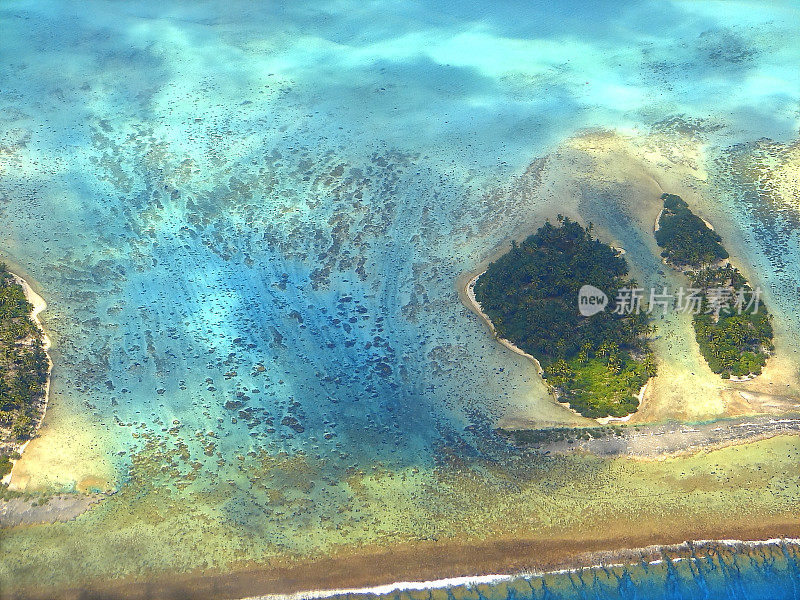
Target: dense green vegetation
x,y
685,238
732,326
23,369
735,332
597,364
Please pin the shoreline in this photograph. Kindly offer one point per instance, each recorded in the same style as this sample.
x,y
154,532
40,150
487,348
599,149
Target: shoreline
x,y
475,306
469,291
432,565
39,305
627,558
657,224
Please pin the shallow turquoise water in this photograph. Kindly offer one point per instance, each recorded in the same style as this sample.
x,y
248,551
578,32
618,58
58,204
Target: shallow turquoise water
x,y
257,212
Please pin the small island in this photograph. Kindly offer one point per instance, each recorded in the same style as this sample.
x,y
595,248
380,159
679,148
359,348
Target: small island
x,y
596,364
24,370
731,323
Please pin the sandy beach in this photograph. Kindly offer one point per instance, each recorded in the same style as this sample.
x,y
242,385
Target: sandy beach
x,y
468,295
469,292
255,228
631,174
520,537
657,224
723,263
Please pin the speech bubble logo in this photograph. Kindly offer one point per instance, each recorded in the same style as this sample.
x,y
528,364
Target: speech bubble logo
x,y
591,300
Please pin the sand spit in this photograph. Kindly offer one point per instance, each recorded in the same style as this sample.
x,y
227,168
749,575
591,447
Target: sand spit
x,y
621,184
615,181
53,509
666,440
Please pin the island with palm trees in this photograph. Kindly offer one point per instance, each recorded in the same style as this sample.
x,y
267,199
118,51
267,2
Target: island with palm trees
x,y
596,364
24,370
732,326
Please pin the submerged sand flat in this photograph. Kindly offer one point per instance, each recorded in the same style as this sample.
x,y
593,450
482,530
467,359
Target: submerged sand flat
x,y
615,181
529,515
248,223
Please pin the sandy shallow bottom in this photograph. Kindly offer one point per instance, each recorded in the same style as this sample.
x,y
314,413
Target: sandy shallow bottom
x,y
502,510
615,182
248,223
546,517
371,571
46,466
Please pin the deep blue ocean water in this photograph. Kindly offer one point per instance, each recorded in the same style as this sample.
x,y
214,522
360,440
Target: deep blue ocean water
x,y
736,572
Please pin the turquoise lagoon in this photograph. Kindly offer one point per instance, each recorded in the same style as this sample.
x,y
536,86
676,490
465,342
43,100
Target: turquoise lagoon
x,y
248,220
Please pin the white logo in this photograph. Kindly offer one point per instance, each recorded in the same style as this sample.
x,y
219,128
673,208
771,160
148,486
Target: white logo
x,y
591,300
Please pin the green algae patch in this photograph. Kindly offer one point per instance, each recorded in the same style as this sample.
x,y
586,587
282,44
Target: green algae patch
x,y
159,527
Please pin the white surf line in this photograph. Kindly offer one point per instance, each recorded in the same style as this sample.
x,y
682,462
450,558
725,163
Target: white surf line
x,y
399,586
469,581
39,305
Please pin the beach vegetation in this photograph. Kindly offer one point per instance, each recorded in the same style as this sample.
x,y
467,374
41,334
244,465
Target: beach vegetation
x,y
24,367
733,328
685,238
596,364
